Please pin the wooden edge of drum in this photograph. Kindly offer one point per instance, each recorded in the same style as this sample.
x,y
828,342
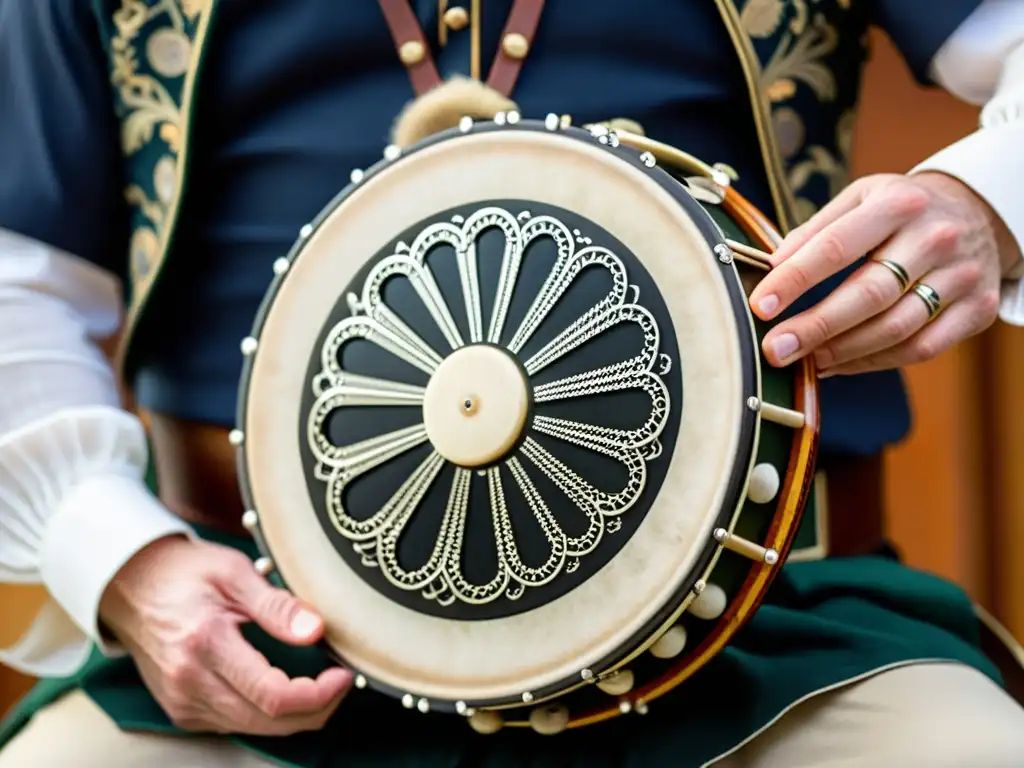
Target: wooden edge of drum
x,y
792,501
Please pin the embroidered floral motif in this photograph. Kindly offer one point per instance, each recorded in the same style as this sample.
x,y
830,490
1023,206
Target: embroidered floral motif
x,y
760,18
153,49
810,53
834,167
800,58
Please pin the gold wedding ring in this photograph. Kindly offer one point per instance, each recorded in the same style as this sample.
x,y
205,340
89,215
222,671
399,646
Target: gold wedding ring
x,y
897,269
931,299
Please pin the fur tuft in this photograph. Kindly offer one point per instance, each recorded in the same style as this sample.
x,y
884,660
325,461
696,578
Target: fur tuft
x,y
443,107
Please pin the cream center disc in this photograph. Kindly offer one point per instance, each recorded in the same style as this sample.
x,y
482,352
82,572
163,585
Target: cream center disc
x,y
475,406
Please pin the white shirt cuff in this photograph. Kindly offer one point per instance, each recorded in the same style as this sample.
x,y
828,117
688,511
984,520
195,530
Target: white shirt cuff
x,y
989,161
100,523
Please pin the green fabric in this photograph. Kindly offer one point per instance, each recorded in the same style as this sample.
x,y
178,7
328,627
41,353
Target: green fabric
x,y
823,622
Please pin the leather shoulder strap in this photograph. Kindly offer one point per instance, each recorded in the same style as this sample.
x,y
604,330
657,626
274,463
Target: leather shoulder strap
x,y
414,52
516,42
411,44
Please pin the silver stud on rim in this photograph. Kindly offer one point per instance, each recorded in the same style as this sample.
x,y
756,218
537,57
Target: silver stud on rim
x,y
356,176
264,566
392,152
236,437
552,122
648,159
250,520
306,231
466,124
281,265
249,345
359,682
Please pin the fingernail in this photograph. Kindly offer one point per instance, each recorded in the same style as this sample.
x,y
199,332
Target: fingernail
x,y
825,374
305,624
785,345
768,304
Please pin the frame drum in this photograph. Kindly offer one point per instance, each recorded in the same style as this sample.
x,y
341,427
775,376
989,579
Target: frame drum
x,y
505,422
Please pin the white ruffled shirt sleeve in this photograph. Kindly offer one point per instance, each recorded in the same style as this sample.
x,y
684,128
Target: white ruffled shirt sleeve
x,y
983,63
74,506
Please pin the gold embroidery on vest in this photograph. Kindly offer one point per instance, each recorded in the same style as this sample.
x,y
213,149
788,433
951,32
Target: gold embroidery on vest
x,y
152,112
154,123
761,18
775,168
800,58
835,169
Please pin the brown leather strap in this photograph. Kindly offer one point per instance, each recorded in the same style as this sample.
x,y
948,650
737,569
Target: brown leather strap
x,y
405,28
522,20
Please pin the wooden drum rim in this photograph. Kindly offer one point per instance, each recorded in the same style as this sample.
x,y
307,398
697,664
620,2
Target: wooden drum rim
x,y
793,498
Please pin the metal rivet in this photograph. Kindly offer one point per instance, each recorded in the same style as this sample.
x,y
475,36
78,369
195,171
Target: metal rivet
x,y
587,674
515,46
648,159
720,534
527,697
250,520
699,586
724,253
360,682
408,701
411,52
500,118
264,566
466,124
356,176
771,557
391,152
248,345
552,122
281,266
513,118
423,706
456,18
640,708
236,437
625,706
753,404
306,231
460,707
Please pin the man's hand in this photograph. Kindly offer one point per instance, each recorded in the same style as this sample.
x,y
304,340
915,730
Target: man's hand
x,y
177,606
936,228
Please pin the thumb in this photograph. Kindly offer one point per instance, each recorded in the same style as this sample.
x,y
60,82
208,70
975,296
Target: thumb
x,y
277,611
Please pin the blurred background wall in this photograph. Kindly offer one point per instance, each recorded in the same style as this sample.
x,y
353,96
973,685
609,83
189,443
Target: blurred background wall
x,y
955,501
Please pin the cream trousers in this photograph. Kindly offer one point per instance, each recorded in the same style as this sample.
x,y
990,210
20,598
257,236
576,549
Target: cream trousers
x,y
934,715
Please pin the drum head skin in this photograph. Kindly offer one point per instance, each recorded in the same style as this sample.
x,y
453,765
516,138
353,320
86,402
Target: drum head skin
x,y
493,408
